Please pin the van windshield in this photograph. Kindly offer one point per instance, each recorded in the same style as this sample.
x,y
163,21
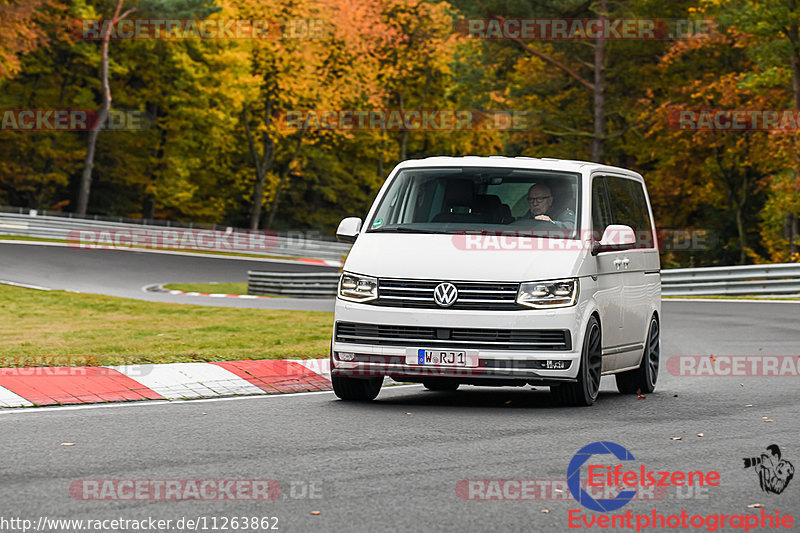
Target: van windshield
x,y
470,199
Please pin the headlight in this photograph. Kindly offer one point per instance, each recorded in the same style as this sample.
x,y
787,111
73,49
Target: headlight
x,y
548,294
356,288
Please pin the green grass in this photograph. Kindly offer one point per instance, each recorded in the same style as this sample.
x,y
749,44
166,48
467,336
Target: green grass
x,y
57,328
220,288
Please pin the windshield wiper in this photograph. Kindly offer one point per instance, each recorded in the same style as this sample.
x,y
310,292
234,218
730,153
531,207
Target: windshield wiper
x,y
401,229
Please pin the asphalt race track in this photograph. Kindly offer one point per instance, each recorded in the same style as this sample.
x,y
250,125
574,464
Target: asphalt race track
x,y
125,273
394,464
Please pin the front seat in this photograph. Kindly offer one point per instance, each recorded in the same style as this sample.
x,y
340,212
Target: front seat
x,y
459,202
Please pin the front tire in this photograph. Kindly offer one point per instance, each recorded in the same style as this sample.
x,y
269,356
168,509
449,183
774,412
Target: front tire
x,y
643,379
584,391
356,389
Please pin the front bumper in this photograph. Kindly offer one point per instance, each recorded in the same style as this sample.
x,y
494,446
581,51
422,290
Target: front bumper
x,y
494,365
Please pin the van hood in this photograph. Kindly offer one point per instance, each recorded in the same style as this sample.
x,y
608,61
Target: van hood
x,y
454,257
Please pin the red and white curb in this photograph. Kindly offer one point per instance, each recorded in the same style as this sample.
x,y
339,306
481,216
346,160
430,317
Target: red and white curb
x,y
160,288
39,386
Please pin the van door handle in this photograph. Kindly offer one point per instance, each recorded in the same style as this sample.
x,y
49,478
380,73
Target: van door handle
x,y
617,263
626,262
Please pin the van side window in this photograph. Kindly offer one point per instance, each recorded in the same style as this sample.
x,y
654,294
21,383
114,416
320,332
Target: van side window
x,y
629,207
601,216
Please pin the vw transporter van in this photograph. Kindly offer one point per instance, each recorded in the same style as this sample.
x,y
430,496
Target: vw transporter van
x,y
497,271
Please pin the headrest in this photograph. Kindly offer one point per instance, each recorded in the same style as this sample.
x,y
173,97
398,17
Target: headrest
x,y
459,192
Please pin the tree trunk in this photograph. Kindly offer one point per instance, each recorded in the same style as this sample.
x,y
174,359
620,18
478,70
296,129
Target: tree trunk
x,y
263,164
740,210
88,163
380,156
599,90
794,39
284,177
404,145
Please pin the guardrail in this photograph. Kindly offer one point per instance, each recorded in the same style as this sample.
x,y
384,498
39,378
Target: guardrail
x,y
302,285
775,279
734,280
176,236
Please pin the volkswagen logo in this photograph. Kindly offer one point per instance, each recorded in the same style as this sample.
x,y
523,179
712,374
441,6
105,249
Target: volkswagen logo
x,y
445,294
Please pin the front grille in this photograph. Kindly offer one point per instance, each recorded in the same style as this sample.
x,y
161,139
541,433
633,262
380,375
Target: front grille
x,y
484,295
430,337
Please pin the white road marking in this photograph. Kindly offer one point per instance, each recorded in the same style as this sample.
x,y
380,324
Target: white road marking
x,y
146,403
25,285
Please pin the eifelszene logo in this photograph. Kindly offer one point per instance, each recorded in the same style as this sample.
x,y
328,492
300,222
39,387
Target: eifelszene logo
x,y
616,477
774,473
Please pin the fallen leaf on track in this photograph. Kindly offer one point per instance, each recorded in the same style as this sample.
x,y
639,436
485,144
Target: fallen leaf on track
x,y
641,397
68,444
752,505
700,435
676,438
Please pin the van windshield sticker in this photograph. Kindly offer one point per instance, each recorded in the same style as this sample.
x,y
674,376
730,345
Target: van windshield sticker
x,y
378,223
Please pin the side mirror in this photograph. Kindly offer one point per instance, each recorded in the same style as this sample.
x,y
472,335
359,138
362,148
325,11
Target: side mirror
x,y
616,237
348,229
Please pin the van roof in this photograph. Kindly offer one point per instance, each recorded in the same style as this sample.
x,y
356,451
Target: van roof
x,y
544,163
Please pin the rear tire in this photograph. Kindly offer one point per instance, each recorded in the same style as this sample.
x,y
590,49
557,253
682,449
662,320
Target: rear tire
x,y
356,389
584,391
643,379
440,385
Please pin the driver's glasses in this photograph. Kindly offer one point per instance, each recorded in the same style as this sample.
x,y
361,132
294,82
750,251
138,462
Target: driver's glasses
x,y
537,199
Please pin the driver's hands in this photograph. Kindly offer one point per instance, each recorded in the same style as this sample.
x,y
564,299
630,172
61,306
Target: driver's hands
x,y
543,217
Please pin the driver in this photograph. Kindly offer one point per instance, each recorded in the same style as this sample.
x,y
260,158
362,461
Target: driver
x,y
540,201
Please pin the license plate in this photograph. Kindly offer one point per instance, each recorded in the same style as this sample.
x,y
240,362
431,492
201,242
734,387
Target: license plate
x,y
442,357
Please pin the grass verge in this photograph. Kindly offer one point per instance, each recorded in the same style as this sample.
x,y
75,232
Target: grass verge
x,y
57,328
209,288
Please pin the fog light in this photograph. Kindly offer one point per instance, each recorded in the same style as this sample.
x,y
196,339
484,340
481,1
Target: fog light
x,y
558,364
345,356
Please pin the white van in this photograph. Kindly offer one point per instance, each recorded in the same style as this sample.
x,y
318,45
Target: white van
x,y
500,271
